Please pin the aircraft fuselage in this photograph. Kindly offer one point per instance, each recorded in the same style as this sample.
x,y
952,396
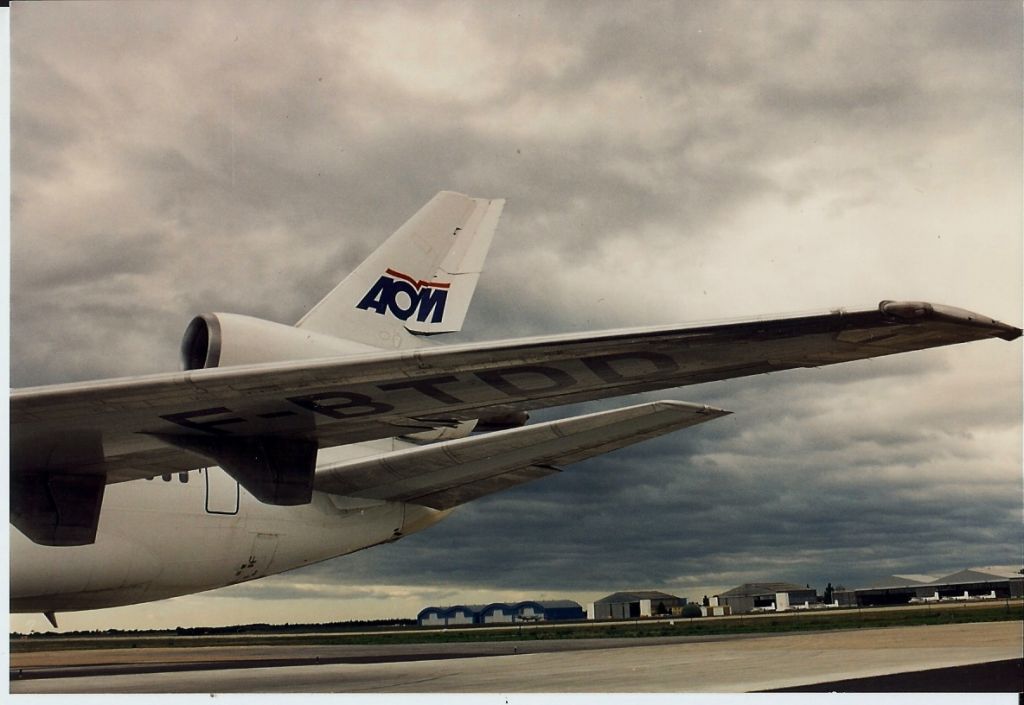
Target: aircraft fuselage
x,y
189,532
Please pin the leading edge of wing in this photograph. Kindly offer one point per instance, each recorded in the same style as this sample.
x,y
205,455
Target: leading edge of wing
x,y
147,392
443,475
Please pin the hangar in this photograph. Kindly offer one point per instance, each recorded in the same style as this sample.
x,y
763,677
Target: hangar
x,y
532,611
451,615
501,613
629,605
973,583
767,596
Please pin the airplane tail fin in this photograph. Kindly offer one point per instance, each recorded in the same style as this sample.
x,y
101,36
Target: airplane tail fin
x,y
419,282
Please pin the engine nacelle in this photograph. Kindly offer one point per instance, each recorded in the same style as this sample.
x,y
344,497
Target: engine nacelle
x,y
226,339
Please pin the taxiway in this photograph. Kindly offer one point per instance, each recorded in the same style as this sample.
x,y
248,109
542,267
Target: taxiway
x,y
720,664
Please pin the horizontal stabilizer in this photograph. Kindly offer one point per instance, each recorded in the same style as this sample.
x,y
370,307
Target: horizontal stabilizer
x,y
447,474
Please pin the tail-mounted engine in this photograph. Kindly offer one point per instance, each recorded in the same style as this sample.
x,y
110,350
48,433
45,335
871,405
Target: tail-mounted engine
x,y
224,339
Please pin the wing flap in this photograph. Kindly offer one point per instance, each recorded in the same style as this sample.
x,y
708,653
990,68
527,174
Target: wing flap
x,y
445,474
460,494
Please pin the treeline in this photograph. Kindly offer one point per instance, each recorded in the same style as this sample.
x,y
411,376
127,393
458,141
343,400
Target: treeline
x,y
351,625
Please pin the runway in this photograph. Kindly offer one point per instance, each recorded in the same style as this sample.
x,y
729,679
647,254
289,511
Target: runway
x,y
719,664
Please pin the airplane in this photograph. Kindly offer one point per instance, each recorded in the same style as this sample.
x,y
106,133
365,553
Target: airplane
x,y
278,446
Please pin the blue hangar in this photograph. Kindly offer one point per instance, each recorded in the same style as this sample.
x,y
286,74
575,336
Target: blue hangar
x,y
502,613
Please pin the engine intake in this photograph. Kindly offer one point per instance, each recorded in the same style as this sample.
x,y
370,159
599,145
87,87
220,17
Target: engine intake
x,y
197,353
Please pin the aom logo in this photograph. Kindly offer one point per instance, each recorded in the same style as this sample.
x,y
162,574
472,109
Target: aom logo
x,y
403,296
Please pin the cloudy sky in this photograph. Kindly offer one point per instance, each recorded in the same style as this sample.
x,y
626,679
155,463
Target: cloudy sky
x,y
663,163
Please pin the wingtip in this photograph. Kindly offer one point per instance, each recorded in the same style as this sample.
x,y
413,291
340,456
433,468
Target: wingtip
x,y
1011,333
910,311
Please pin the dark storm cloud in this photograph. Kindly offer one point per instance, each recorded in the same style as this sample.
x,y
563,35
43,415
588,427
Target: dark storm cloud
x,y
662,162
657,521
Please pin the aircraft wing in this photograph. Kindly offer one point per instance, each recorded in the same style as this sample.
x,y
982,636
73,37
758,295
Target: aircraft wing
x,y
446,474
263,423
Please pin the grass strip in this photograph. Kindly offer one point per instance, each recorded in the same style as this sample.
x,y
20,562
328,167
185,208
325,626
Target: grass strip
x,y
700,626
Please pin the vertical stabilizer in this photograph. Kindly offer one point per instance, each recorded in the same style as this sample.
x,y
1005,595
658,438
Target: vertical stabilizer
x,y
421,280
